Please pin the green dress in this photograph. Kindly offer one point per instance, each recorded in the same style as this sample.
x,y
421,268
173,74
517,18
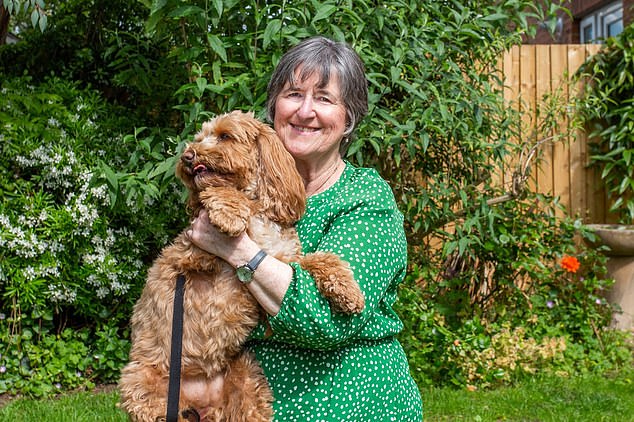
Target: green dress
x,y
331,367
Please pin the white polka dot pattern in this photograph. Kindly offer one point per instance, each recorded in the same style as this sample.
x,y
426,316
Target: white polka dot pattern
x,y
331,367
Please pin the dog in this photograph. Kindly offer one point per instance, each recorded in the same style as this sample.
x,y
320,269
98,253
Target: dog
x,y
238,170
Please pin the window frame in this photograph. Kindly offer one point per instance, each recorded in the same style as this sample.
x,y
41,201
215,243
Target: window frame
x,y
599,21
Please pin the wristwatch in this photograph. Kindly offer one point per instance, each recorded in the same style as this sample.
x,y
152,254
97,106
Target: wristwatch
x,y
245,272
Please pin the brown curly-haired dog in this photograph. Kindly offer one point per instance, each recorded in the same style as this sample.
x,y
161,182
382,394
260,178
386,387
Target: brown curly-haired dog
x,y
240,172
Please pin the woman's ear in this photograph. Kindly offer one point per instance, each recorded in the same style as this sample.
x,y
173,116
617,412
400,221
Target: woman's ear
x,y
280,187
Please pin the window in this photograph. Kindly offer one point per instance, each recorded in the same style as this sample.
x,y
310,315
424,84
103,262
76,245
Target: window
x,y
603,23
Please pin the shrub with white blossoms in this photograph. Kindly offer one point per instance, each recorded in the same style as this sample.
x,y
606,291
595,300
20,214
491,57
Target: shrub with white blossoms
x,y
62,242
72,253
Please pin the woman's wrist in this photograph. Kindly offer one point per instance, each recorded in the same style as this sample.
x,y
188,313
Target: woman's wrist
x,y
243,252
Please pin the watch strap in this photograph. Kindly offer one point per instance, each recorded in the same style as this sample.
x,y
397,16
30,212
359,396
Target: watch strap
x,y
245,272
256,260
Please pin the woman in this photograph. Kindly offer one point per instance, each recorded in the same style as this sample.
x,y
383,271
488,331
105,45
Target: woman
x,y
323,366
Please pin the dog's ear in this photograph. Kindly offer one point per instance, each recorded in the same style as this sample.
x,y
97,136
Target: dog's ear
x,y
280,187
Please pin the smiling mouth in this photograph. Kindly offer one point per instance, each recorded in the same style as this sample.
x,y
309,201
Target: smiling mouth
x,y
304,129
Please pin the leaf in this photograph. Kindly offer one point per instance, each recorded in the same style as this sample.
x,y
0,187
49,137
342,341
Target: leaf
x,y
34,17
495,17
217,46
157,5
151,190
201,84
165,168
245,91
43,22
395,74
184,11
325,11
218,5
272,29
111,176
112,180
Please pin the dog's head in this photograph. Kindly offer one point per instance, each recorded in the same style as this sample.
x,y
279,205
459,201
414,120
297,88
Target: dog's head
x,y
237,150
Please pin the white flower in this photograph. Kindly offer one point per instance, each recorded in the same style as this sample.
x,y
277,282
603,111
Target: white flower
x,y
102,292
61,294
29,273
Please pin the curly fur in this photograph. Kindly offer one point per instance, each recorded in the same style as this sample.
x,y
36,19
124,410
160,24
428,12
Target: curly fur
x,y
237,169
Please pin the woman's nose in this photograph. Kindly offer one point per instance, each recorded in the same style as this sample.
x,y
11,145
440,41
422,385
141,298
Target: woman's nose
x,y
307,107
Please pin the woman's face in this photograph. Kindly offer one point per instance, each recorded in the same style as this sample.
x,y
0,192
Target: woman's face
x,y
310,119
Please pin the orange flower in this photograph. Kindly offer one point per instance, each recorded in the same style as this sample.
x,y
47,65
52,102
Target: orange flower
x,y
570,264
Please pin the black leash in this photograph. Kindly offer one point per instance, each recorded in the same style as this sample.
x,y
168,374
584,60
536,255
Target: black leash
x,y
173,393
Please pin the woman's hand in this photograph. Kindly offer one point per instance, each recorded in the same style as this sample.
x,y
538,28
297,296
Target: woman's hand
x,y
272,278
236,250
208,238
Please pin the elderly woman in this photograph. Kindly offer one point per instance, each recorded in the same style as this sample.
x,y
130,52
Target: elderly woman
x,y
323,366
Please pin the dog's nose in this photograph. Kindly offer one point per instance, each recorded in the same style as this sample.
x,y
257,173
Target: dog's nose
x,y
188,157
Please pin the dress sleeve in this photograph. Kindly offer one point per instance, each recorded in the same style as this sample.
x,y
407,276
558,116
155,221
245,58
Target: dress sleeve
x,y
368,234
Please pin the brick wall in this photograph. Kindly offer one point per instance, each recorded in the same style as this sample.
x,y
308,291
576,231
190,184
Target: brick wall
x,y
569,30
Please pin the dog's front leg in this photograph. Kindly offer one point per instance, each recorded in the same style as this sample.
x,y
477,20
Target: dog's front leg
x,y
229,209
335,282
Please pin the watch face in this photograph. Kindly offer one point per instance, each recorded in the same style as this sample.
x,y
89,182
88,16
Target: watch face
x,y
244,274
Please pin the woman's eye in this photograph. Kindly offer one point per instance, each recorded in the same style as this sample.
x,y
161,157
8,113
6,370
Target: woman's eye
x,y
324,100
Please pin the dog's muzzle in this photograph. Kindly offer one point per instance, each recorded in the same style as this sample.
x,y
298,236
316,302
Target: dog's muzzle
x,y
188,159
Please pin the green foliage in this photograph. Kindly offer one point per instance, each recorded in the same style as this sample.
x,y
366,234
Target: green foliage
x,y
35,8
100,44
516,317
70,253
607,109
38,362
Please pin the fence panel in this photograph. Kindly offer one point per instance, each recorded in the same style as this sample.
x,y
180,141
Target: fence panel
x,y
530,72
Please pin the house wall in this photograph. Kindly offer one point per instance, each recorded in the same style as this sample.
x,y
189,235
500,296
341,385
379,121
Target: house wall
x,y
569,32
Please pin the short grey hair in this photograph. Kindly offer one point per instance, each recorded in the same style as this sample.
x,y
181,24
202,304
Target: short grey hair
x,y
324,57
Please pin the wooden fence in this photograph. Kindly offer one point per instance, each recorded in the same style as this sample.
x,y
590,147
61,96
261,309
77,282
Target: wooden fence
x,y
530,72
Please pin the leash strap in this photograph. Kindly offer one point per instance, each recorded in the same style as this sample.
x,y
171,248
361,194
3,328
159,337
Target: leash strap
x,y
173,393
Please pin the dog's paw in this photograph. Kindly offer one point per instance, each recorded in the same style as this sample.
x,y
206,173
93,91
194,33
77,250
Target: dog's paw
x,y
228,223
335,282
229,210
343,294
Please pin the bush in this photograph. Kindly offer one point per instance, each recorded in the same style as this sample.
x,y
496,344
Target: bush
x,y
606,109
72,256
487,323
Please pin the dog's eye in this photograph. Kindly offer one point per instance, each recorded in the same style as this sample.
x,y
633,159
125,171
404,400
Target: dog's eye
x,y
224,136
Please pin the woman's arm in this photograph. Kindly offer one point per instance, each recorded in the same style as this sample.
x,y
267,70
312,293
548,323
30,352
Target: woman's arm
x,y
371,240
272,278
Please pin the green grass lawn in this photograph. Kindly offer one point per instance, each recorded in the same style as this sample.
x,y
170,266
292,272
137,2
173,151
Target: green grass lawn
x,y
579,399
584,400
